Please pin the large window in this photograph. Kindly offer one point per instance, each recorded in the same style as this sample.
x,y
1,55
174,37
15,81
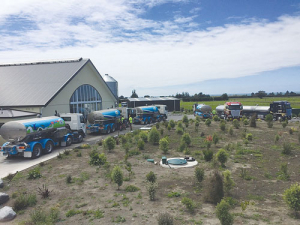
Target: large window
x,y
85,99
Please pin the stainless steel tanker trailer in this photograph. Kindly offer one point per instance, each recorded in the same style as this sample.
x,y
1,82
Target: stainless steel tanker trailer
x,y
32,137
103,121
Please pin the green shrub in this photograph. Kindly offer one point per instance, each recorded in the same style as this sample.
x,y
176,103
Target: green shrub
x,y
222,156
172,123
151,187
97,159
38,216
215,191
207,122
208,154
199,174
23,201
131,188
141,144
165,219
245,122
269,118
197,125
185,119
249,137
186,138
179,130
179,124
34,174
291,130
109,143
236,124
169,127
164,145
228,183
287,148
189,204
215,138
222,125
292,197
283,173
174,194
151,177
216,118
69,179
144,136
117,176
154,136
276,138
222,212
284,124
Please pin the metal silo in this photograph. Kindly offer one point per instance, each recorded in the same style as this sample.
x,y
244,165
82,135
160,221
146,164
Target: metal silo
x,y
112,84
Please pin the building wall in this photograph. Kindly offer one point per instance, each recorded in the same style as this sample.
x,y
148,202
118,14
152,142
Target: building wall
x,y
88,75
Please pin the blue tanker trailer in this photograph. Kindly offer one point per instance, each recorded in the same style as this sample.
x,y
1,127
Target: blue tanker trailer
x,y
103,121
203,111
147,114
32,137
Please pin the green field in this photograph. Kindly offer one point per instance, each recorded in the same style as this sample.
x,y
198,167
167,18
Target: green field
x,y
295,102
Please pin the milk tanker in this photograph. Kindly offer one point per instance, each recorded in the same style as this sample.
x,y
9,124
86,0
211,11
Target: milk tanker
x,y
103,121
203,111
32,137
147,114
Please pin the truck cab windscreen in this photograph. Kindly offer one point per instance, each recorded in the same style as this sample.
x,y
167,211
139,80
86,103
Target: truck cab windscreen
x,y
235,107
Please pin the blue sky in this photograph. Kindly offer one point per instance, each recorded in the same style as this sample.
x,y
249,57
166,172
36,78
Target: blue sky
x,y
161,47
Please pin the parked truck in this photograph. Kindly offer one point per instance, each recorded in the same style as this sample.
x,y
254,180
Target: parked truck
x,y
163,111
147,114
202,110
103,121
279,110
230,110
32,137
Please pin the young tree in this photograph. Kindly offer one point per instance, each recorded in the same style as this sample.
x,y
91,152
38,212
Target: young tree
x,y
134,94
222,211
109,143
222,156
186,138
164,145
228,182
153,136
292,197
117,176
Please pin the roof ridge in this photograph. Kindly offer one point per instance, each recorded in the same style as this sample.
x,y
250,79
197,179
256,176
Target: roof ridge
x,y
43,62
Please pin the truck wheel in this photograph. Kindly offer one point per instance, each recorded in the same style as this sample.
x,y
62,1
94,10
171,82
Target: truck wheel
x,y
80,138
108,130
37,151
145,122
150,121
113,128
69,141
48,147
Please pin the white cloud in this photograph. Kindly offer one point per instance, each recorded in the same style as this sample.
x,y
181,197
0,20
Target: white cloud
x,y
141,53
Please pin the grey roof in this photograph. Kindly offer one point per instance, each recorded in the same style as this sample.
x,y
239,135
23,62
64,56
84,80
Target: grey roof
x,y
35,84
152,99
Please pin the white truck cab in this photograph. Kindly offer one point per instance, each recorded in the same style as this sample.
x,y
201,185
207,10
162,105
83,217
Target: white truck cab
x,y
76,121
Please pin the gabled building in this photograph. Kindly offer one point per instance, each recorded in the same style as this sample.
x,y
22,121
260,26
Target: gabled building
x,y
50,87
